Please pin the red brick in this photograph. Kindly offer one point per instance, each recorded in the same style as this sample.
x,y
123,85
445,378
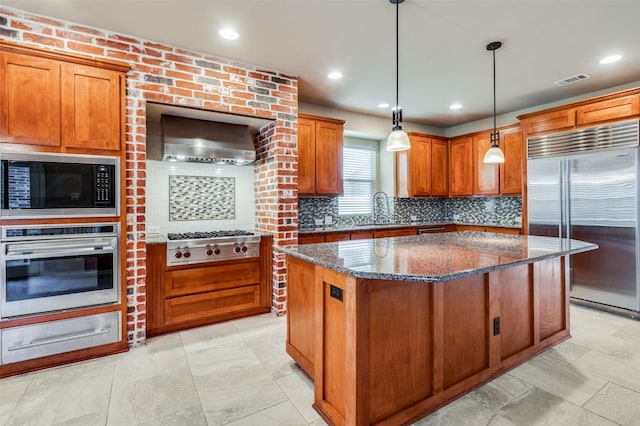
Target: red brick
x,y
157,46
20,26
178,58
36,38
123,55
85,30
189,85
44,20
125,39
180,92
187,68
178,75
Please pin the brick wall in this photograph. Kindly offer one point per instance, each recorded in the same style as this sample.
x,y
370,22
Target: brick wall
x,y
167,74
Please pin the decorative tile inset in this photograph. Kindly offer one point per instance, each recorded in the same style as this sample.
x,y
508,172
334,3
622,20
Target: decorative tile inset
x,y
201,198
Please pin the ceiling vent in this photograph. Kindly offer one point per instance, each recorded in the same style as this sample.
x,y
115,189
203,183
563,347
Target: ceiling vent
x,y
572,79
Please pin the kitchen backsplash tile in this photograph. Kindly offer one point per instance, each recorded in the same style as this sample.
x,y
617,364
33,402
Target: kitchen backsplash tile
x,y
158,196
201,198
486,210
489,210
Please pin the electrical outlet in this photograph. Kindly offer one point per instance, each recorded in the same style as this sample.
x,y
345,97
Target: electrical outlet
x,y
153,229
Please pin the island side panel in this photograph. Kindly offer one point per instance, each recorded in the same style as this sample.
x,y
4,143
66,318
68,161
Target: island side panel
x,y
300,313
553,294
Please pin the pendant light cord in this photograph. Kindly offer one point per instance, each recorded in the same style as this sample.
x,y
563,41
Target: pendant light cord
x,y
398,54
494,91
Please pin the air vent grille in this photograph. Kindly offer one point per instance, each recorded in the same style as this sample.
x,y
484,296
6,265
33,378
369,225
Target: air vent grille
x,y
572,79
611,136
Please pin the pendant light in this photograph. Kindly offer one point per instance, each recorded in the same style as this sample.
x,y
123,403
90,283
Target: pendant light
x,y
398,139
494,154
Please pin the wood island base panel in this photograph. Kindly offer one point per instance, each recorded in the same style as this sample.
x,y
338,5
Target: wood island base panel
x,y
392,329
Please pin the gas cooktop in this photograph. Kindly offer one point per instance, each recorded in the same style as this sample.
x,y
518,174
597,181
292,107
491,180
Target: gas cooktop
x,y
210,234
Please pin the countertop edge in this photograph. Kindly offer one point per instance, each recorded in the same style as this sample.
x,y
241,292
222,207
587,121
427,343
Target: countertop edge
x,y
381,226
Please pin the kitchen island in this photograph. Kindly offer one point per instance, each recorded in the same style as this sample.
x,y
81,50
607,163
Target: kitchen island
x,y
391,329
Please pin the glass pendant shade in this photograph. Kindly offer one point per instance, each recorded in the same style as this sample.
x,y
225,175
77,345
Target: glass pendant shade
x,y
494,155
398,140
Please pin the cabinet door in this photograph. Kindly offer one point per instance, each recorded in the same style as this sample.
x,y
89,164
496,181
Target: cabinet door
x,y
29,100
91,107
420,167
439,168
328,158
557,120
306,156
511,169
487,176
461,167
609,110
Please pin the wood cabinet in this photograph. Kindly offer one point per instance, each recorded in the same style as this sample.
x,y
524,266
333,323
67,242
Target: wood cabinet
x,y
329,237
423,171
461,167
319,155
552,121
185,296
608,110
60,102
29,100
91,107
482,228
498,179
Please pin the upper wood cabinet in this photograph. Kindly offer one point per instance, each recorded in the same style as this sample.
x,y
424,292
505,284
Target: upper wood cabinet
x,y
498,179
319,155
60,102
552,121
29,100
608,110
423,170
91,107
461,166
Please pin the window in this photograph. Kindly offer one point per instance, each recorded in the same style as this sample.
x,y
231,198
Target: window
x,y
359,180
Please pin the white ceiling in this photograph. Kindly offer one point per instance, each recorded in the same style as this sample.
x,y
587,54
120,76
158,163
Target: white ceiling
x,y
443,58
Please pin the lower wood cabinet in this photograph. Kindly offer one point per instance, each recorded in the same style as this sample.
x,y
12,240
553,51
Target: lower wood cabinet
x,y
186,296
496,229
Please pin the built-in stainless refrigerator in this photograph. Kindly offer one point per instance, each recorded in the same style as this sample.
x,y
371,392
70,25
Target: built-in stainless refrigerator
x,y
584,185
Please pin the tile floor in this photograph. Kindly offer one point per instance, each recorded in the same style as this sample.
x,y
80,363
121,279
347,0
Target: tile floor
x,y
237,373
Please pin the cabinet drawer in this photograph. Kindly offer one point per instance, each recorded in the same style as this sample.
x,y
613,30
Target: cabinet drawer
x,y
200,306
55,337
199,280
394,233
339,236
609,110
310,239
552,121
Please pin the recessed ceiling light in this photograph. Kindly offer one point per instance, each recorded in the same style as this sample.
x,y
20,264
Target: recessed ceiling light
x,y
335,75
455,106
383,105
228,34
610,59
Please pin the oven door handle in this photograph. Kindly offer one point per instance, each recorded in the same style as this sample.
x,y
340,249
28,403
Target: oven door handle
x,y
45,249
59,339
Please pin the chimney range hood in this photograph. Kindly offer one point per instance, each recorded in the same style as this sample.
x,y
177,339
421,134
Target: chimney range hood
x,y
204,141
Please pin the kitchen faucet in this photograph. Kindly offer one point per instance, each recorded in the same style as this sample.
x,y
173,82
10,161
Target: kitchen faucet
x,y
384,216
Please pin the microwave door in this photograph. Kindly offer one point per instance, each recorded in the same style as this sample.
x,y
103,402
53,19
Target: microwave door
x,y
38,185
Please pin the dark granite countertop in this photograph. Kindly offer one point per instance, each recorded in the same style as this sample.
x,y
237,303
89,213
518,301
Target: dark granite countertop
x,y
434,257
377,226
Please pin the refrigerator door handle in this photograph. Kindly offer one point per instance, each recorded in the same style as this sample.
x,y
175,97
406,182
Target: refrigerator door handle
x,y
567,200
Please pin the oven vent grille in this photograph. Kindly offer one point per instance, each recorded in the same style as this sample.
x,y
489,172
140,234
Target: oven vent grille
x,y
572,79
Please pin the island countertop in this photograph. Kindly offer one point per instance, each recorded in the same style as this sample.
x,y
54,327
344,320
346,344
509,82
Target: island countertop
x,y
435,257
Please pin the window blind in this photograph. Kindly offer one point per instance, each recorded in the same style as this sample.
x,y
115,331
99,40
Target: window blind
x,y
359,181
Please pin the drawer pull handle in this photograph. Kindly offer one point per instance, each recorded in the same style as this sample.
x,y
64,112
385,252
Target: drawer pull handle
x,y
63,338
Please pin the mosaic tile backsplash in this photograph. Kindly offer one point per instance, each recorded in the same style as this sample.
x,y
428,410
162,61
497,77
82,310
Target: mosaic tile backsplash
x,y
201,198
486,210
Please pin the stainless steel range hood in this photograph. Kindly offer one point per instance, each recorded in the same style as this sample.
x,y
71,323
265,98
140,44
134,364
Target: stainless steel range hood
x,y
190,139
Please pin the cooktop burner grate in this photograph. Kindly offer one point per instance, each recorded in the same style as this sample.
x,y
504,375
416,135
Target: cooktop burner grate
x,y
211,234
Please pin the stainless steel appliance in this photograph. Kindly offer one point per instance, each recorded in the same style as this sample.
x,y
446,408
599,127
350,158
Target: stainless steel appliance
x,y
198,247
584,185
36,185
47,268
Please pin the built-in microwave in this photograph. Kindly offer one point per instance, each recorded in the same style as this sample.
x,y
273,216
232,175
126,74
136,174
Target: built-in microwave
x,y
39,185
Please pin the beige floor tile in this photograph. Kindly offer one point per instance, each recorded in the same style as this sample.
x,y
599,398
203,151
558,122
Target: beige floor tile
x,y
234,394
538,407
134,402
61,394
612,369
299,389
229,355
616,403
461,412
269,348
192,416
564,381
564,353
94,419
11,391
499,392
284,414
206,337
